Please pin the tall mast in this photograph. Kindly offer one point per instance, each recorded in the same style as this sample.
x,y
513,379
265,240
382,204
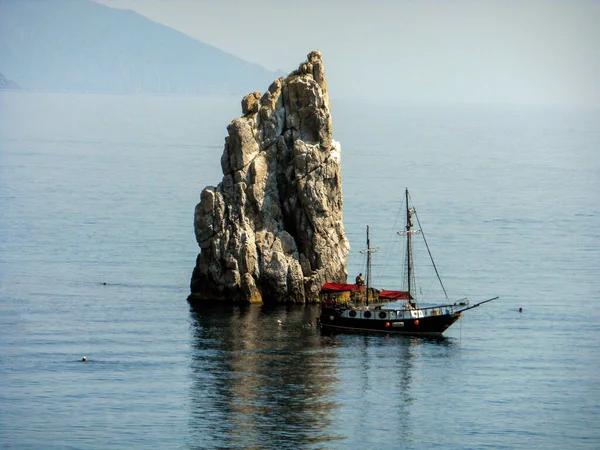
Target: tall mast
x,y
408,247
368,264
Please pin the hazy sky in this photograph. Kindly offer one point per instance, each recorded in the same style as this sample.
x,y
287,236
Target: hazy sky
x,y
410,50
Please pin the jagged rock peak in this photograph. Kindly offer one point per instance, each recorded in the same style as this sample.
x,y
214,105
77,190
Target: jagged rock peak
x,y
271,231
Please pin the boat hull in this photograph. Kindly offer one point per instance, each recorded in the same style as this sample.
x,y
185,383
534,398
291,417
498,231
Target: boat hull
x,y
331,318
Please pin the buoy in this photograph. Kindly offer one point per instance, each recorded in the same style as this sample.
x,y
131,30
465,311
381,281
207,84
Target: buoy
x,y
84,359
417,322
387,324
278,322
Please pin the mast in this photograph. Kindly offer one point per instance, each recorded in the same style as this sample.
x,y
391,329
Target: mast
x,y
410,276
368,251
368,264
409,264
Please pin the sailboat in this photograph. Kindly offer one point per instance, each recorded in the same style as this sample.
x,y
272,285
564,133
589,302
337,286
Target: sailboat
x,y
356,307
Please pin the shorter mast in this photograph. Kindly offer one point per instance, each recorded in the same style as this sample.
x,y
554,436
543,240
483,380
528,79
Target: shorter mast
x,y
368,251
368,264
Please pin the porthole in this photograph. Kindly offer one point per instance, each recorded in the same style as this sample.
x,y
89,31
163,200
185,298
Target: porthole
x,y
367,314
352,313
382,315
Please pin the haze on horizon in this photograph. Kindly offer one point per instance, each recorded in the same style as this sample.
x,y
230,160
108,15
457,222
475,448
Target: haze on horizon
x,y
538,52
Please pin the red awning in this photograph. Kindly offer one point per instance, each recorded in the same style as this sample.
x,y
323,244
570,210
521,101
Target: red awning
x,y
341,287
394,295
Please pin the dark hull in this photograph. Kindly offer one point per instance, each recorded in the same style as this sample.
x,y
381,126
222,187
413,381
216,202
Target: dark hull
x,y
331,318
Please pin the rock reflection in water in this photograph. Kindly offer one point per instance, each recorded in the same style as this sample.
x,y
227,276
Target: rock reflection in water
x,y
258,384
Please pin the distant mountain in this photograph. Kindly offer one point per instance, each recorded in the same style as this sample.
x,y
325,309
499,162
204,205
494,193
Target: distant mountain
x,y
7,84
82,46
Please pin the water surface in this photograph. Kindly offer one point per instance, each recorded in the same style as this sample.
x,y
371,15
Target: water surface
x,y
97,195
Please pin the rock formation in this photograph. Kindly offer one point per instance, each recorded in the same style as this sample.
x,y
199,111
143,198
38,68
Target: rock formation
x,y
272,230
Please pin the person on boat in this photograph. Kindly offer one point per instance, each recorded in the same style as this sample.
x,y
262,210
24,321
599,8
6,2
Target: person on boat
x,y
359,280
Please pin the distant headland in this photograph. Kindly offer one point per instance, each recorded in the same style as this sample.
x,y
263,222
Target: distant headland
x,y
84,46
7,84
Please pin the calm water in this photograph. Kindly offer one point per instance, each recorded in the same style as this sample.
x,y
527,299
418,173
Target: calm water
x,y
102,189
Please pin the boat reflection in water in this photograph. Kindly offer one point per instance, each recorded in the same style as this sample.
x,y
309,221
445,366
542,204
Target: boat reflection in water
x,y
267,378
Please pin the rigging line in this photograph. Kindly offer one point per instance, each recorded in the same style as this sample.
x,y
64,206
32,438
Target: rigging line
x,y
430,255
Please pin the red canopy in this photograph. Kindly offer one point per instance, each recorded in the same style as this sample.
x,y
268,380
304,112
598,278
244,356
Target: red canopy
x,y
341,287
394,295
384,294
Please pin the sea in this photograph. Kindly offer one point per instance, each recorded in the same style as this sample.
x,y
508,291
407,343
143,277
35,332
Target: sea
x,y
97,247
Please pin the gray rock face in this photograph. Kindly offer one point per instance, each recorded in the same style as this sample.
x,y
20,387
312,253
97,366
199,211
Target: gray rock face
x,y
272,230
